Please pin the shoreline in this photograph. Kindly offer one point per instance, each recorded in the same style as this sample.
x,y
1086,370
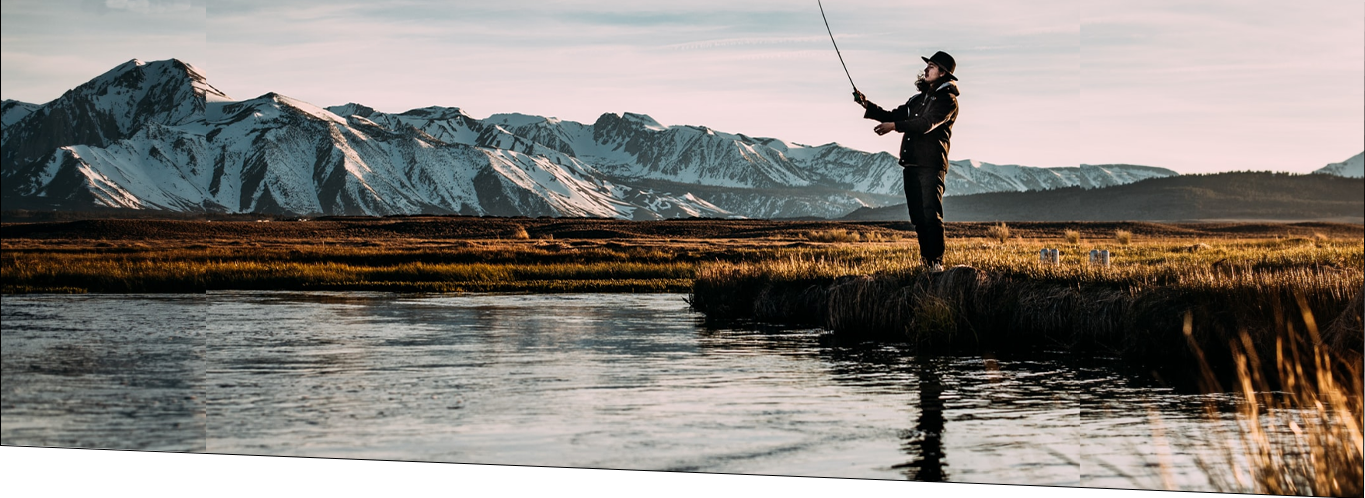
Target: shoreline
x,y
856,279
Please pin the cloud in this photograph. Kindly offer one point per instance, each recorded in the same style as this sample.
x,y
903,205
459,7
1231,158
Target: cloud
x,y
749,42
149,6
142,6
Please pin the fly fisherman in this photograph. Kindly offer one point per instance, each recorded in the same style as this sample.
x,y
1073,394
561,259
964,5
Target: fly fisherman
x,y
926,121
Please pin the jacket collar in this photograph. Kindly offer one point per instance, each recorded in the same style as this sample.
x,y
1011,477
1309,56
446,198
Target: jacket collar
x,y
947,86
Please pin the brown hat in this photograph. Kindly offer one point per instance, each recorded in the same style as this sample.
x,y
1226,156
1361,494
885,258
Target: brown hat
x,y
944,62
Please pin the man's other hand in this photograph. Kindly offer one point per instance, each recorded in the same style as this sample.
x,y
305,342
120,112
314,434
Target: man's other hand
x,y
885,128
860,99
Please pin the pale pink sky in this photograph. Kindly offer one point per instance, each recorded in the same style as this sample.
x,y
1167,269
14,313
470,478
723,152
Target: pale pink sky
x,y
1191,86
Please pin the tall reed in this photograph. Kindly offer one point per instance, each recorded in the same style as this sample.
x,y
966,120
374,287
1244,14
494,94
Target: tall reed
x,y
1299,419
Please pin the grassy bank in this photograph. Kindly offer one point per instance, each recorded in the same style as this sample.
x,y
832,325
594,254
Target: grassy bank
x,y
1003,299
463,267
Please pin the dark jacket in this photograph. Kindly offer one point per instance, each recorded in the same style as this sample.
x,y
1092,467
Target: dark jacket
x,y
927,122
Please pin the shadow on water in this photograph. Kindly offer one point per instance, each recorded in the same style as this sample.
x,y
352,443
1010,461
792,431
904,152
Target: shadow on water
x,y
873,365
924,444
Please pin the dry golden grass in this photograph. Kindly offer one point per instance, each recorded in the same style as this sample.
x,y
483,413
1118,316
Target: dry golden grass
x,y
999,232
848,236
1323,267
461,266
1152,263
880,237
834,235
1072,237
1123,237
1299,420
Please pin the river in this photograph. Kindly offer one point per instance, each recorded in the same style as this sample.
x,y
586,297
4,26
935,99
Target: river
x,y
621,381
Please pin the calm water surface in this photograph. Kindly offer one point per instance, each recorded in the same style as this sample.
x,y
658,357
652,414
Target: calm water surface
x,y
582,380
103,371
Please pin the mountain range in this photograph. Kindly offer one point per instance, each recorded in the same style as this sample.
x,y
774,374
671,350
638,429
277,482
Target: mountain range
x,y
158,136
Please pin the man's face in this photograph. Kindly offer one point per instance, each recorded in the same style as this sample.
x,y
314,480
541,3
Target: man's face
x,y
932,73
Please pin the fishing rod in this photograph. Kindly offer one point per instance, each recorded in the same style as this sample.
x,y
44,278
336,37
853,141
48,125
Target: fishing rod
x,y
836,46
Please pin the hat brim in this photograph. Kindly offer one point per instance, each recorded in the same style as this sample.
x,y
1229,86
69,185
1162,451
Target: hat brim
x,y
927,61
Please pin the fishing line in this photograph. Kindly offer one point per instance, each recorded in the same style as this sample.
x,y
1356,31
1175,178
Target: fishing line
x,y
836,45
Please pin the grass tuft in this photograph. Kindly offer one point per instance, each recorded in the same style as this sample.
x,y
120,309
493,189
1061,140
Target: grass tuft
x,y
833,235
999,232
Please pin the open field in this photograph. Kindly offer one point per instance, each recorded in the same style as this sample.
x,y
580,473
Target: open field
x,y
451,254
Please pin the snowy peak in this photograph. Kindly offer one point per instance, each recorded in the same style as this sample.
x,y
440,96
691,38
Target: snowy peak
x,y
352,109
201,85
269,108
168,92
967,177
1350,168
517,120
642,120
111,107
11,111
437,113
300,107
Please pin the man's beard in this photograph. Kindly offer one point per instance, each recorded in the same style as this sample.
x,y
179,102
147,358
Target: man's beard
x,y
920,83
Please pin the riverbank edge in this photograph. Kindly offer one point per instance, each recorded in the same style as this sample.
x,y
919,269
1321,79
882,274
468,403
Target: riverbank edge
x,y
669,285
963,309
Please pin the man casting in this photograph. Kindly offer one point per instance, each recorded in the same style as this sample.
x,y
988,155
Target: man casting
x,y
926,122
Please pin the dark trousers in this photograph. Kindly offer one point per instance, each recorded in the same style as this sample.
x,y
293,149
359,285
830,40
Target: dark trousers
x,y
924,197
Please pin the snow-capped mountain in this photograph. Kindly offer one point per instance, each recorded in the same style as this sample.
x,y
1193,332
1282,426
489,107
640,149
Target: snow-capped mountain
x,y
158,136
973,177
1350,168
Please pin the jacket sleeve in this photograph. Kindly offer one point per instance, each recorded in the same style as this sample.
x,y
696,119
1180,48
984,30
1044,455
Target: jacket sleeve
x,y
875,112
943,108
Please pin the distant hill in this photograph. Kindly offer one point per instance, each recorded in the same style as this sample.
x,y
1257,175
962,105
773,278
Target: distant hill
x,y
1222,196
